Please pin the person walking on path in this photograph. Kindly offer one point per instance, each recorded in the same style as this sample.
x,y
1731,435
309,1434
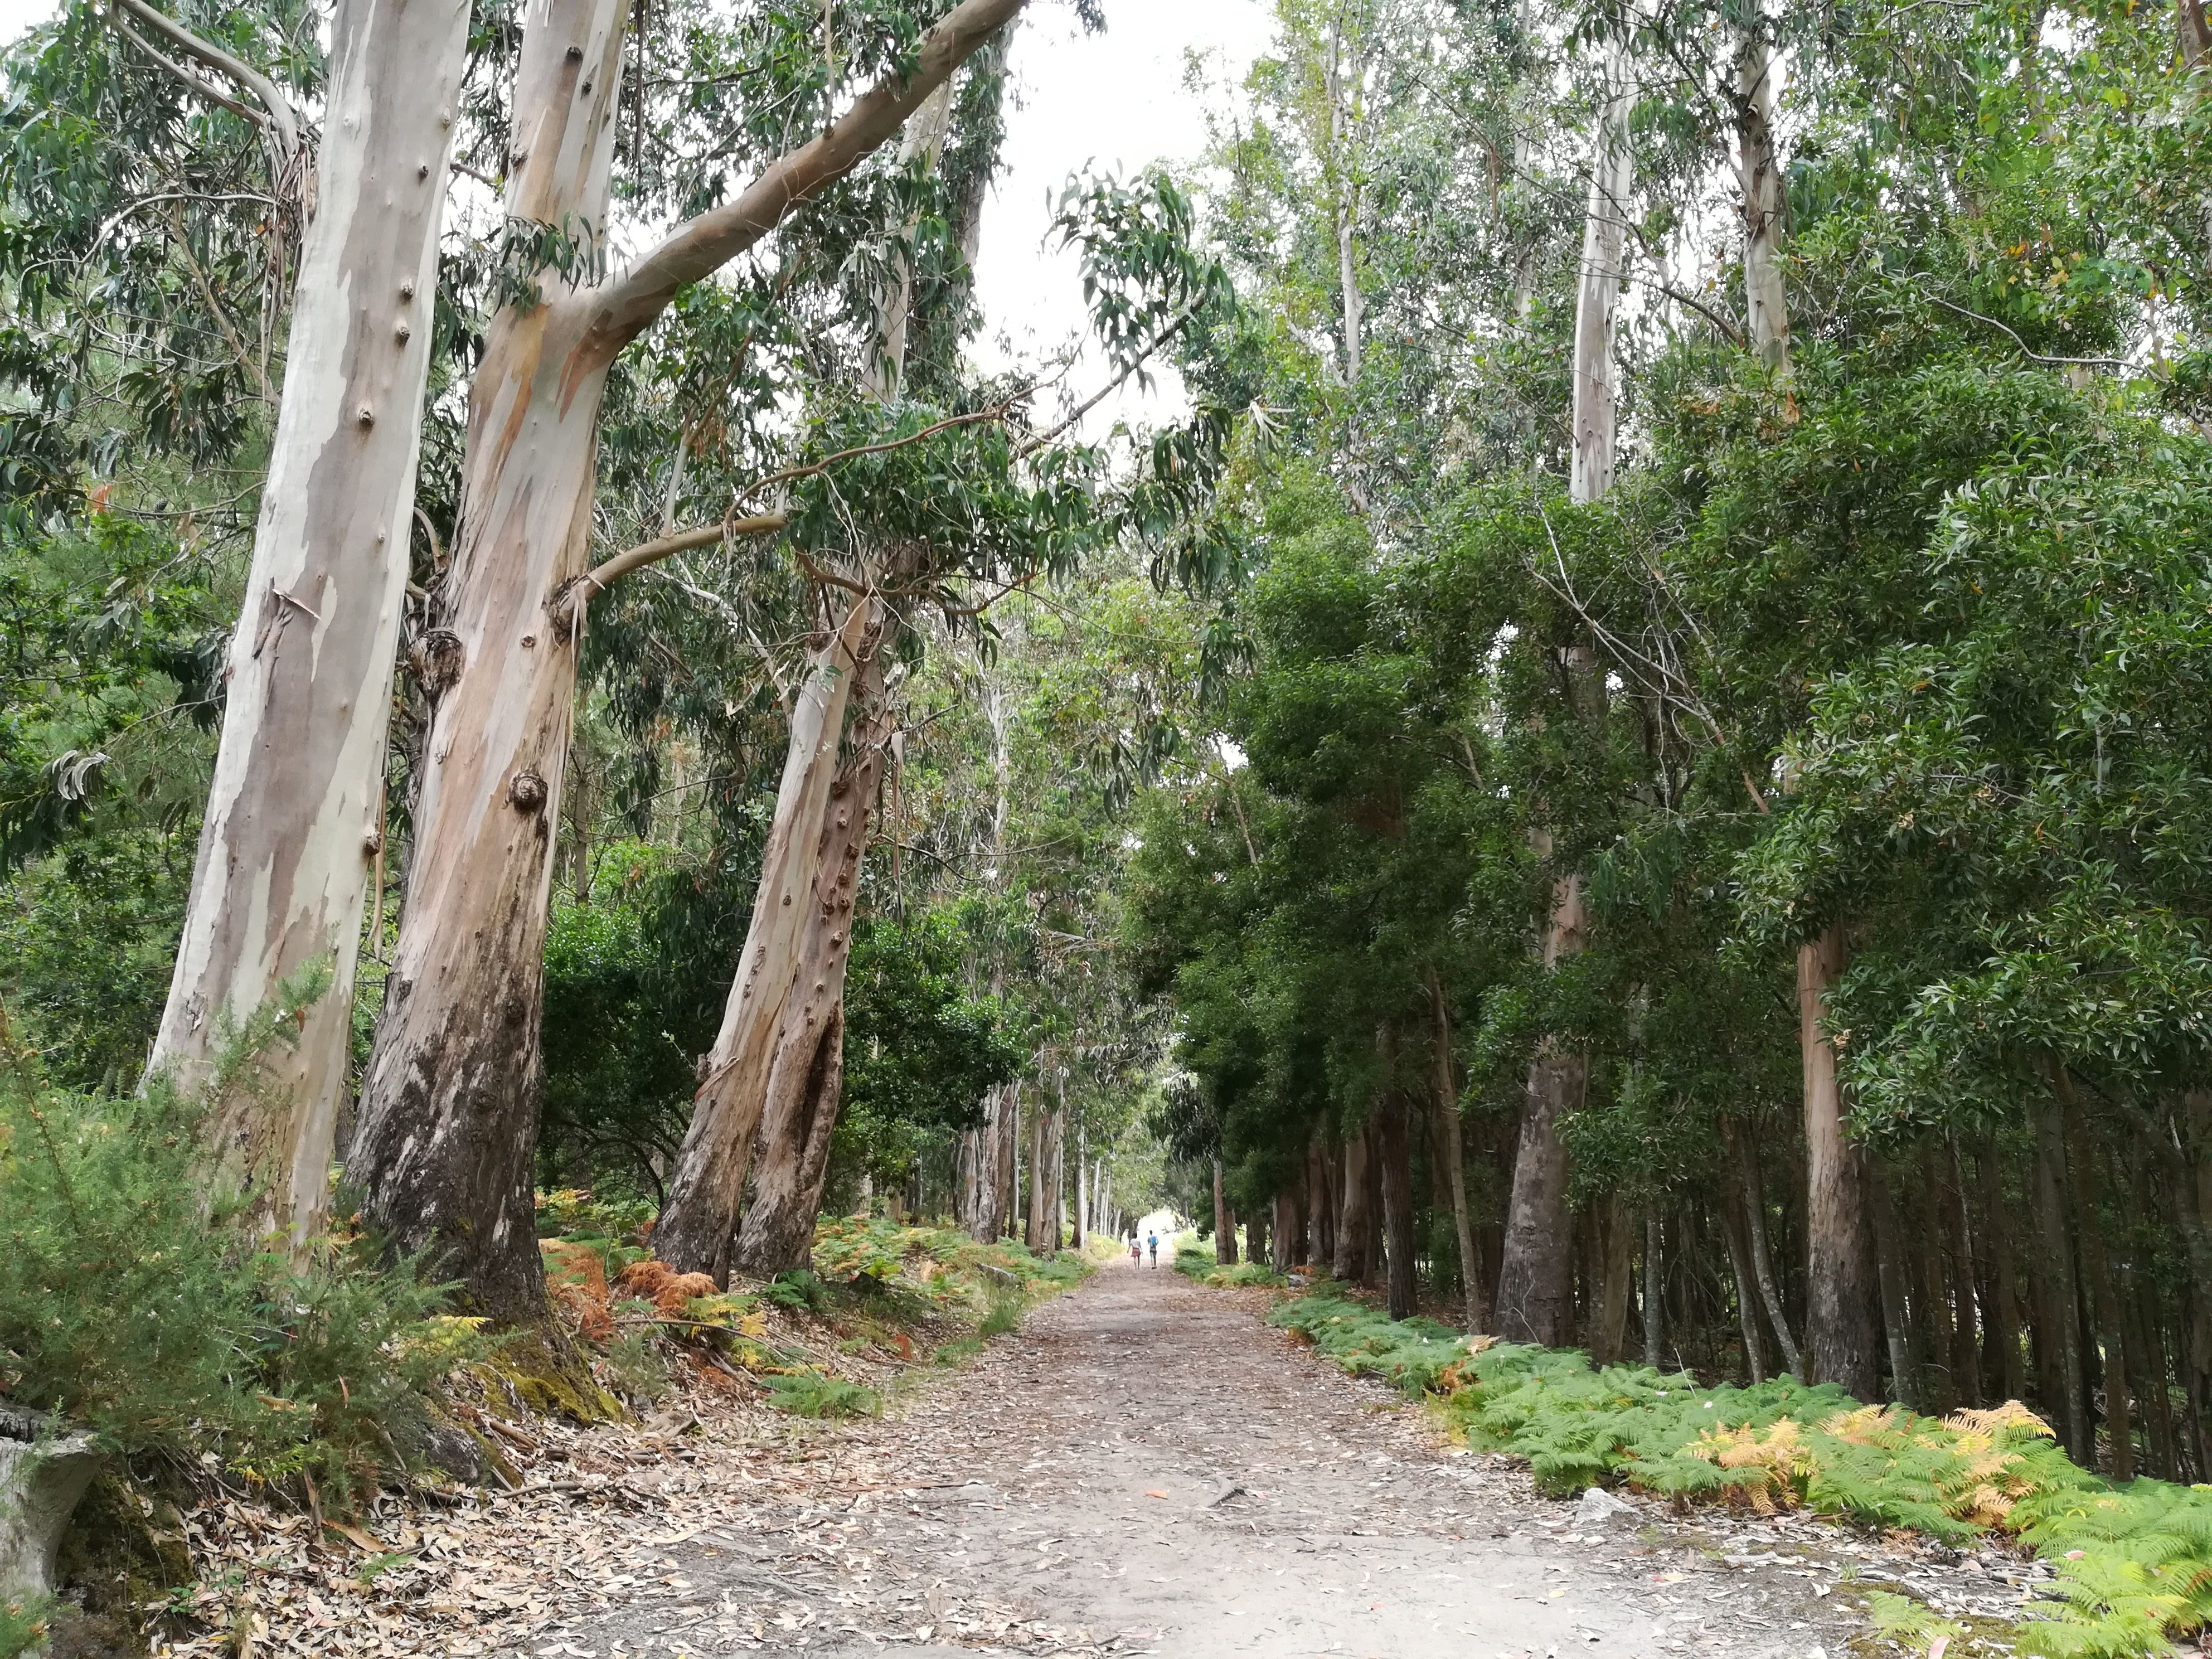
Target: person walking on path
x,y
1152,1244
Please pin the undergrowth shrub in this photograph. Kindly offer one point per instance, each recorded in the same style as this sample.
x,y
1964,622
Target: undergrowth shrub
x,y
1196,1261
2134,1563
133,1306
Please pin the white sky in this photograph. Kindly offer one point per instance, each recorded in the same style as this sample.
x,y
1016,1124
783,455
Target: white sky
x,y
1113,100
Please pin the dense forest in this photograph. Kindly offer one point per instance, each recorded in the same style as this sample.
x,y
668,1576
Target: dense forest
x,y
1615,766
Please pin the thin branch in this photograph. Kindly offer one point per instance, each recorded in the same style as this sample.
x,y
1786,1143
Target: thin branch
x,y
2032,356
1114,385
246,361
997,412
566,608
281,116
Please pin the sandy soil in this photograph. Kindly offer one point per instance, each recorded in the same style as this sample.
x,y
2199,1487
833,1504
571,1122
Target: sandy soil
x,y
1146,1467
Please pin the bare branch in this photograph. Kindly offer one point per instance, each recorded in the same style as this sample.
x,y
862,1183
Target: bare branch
x,y
283,119
2032,356
1114,385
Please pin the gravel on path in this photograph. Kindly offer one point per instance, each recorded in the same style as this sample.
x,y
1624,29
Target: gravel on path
x,y
1146,1467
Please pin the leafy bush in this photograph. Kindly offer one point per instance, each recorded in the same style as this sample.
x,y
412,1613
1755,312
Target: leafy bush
x,y
1196,1261
2134,1563
132,1305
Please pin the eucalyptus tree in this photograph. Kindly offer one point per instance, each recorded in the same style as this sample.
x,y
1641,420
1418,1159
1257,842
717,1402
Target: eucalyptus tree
x,y
442,1153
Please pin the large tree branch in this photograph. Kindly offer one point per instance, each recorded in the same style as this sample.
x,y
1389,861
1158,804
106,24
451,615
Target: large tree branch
x,y
283,119
702,246
567,607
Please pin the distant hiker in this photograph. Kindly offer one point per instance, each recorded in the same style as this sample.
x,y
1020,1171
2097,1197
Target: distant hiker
x,y
1152,1243
1136,1250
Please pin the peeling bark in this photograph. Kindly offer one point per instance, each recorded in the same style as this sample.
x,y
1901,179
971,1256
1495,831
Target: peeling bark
x,y
293,825
1535,1279
449,1113
1765,210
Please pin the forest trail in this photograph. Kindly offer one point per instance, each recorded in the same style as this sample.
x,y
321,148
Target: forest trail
x,y
1145,1467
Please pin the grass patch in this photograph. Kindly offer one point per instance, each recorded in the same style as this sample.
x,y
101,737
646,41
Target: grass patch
x,y
809,1394
2134,1563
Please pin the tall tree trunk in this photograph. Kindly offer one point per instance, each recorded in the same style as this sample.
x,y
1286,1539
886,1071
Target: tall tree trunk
x,y
1083,1187
1616,1267
2059,1302
1766,211
698,1224
1351,1227
800,1115
1224,1225
295,822
1747,1290
1655,1289
1951,1195
448,1120
1535,1277
1450,1140
2008,1373
1896,1315
1841,1293
1320,1205
1605,226
1255,1235
1394,1152
1750,1190
2104,1294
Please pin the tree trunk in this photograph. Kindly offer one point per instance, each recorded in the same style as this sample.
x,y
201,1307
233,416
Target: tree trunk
x,y
1450,1140
294,821
1965,1367
1320,1205
1535,1279
799,1117
1288,1232
1255,1235
1225,1229
1083,1187
1841,1294
1351,1227
1897,1327
2104,1294
2008,1374
1747,1292
1605,226
448,1118
698,1223
1766,211
1616,1266
2058,1303
1394,1152
1655,1289
1751,1191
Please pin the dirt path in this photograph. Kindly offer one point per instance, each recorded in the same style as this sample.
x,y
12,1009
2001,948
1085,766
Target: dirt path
x,y
1146,1467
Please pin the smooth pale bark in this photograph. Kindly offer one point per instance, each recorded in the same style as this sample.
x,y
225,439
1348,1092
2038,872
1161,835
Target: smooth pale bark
x,y
1841,1297
1535,1276
294,821
698,1223
806,1066
1766,211
449,1108
1449,1134
1353,1227
1605,230
1083,1187
449,1112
